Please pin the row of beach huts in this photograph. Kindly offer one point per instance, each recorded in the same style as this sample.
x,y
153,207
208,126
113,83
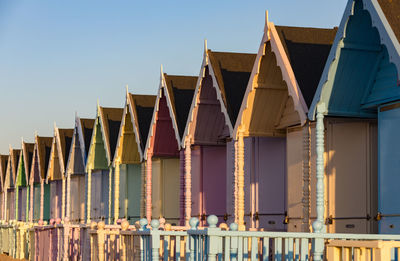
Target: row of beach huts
x,y
303,136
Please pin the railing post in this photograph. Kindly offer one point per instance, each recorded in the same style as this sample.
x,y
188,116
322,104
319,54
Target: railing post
x,y
234,243
318,225
193,222
124,227
100,239
213,243
143,226
67,229
155,240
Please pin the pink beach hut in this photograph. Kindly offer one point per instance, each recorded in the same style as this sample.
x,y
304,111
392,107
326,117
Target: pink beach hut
x,y
9,183
271,167
215,105
162,150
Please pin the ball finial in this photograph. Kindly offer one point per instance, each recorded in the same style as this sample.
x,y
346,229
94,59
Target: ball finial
x,y
194,223
233,227
155,224
212,221
124,225
58,221
101,225
143,223
93,225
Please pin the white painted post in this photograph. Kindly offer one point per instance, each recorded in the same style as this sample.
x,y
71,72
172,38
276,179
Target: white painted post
x,y
318,225
41,199
148,186
155,240
306,178
116,191
213,240
240,186
63,197
89,192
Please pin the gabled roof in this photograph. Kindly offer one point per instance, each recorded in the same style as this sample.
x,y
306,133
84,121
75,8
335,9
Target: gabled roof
x,y
43,150
180,90
86,130
142,107
110,121
14,157
232,72
176,94
383,17
27,152
64,140
307,50
3,170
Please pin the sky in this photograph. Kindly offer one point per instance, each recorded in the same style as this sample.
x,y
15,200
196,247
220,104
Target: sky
x,y
58,58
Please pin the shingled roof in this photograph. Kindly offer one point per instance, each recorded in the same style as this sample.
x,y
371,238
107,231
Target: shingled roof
x,y
111,120
87,130
65,136
143,106
181,89
307,50
391,10
232,72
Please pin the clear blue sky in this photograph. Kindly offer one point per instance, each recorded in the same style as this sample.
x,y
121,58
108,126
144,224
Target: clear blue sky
x,y
59,57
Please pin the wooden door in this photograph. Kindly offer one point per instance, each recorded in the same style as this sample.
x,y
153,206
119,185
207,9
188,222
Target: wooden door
x,y
36,203
389,168
270,186
74,199
123,188
214,181
96,195
22,204
134,186
230,181
171,189
350,176
156,189
53,199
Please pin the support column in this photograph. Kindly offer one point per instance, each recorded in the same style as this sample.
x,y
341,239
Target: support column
x,y
240,179
188,181
41,200
89,195
28,188
318,225
182,187
16,202
63,198
32,189
68,207
143,191
235,180
116,191
5,203
306,178
148,186
110,172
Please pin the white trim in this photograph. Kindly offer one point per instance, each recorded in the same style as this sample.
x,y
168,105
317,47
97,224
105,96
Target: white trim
x,y
96,121
135,128
105,139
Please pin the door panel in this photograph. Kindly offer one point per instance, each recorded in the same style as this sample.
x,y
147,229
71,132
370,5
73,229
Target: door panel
x,y
134,191
171,189
389,168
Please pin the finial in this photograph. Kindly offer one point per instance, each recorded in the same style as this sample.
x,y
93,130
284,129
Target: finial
x,y
76,114
194,223
161,70
127,89
36,134
212,221
266,17
98,103
55,125
205,45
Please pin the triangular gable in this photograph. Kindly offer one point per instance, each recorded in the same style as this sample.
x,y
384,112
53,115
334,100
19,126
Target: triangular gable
x,y
54,169
23,168
289,63
3,170
80,143
128,149
364,63
142,107
64,141
220,88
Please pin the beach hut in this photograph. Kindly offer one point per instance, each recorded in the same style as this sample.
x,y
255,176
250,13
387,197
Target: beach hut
x,y
3,171
22,181
217,98
271,135
163,146
39,191
129,169
76,188
10,196
56,172
356,103
99,164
